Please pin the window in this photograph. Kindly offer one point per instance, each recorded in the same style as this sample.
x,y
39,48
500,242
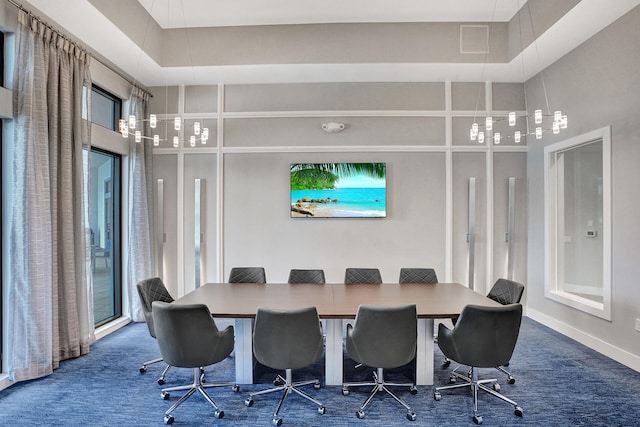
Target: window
x,y
104,220
578,222
106,108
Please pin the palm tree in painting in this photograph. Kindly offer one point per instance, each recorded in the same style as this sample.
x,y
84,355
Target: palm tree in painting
x,y
306,176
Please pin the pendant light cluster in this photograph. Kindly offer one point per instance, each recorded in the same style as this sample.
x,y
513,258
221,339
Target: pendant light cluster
x,y
126,127
484,131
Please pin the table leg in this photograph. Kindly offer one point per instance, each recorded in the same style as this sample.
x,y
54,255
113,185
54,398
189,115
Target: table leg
x,y
333,352
243,351
424,352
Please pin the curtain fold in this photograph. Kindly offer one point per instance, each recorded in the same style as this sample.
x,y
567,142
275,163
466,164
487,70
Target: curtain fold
x,y
49,315
140,259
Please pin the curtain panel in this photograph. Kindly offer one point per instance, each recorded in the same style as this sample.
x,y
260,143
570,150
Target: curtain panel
x,y
140,258
49,301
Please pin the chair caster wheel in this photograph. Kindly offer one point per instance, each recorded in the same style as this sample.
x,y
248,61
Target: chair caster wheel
x,y
165,395
413,390
235,388
277,421
316,385
437,396
496,387
248,402
218,414
322,410
411,416
160,381
511,380
518,411
477,419
345,392
277,382
360,414
452,379
168,419
446,363
143,369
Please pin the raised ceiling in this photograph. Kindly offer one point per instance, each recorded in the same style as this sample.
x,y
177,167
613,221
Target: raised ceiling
x,y
161,42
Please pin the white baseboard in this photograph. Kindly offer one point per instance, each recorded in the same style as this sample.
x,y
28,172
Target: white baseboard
x,y
113,326
5,381
605,348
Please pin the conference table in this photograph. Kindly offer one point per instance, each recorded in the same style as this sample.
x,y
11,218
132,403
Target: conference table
x,y
335,302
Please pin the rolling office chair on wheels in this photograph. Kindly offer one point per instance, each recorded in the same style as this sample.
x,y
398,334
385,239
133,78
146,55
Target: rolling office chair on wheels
x,y
362,275
418,275
287,340
483,337
150,290
505,292
247,275
189,338
306,276
383,337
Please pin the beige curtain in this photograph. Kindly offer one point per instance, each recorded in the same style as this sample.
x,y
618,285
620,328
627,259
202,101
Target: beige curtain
x,y
140,259
48,300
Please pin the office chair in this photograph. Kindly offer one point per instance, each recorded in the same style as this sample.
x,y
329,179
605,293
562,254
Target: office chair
x,y
150,290
306,276
382,337
483,337
362,275
247,275
287,340
505,292
189,338
418,275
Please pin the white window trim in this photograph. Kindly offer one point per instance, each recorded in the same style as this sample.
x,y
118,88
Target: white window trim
x,y
552,291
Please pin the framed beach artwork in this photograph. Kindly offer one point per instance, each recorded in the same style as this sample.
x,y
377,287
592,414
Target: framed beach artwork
x,y
338,190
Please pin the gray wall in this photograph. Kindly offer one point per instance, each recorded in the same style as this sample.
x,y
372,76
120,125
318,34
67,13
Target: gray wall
x,y
597,84
420,130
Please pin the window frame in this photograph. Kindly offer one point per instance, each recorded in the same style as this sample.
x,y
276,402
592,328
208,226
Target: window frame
x,y
554,289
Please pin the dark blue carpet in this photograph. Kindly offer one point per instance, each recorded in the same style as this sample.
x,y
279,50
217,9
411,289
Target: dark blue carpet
x,y
559,383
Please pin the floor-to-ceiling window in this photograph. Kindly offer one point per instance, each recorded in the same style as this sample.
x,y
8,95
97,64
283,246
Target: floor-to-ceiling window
x,y
104,212
104,218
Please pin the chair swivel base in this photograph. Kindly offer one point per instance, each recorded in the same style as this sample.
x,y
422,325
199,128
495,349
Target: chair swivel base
x,y
471,380
288,386
143,369
379,385
199,386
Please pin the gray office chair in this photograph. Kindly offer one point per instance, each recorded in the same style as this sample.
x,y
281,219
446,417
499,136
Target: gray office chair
x,y
306,276
150,290
483,337
362,275
418,275
383,337
189,338
505,292
247,275
287,340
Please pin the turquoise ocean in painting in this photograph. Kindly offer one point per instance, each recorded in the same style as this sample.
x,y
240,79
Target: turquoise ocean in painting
x,y
351,202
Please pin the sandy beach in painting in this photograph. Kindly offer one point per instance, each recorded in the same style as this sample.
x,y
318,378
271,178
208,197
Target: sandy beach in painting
x,y
339,203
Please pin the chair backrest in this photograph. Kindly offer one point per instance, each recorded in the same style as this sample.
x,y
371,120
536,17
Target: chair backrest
x,y
188,336
306,276
362,275
383,336
483,337
506,292
418,275
150,290
287,339
247,275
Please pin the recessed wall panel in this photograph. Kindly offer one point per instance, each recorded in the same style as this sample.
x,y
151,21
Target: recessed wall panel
x,y
359,131
335,96
259,231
